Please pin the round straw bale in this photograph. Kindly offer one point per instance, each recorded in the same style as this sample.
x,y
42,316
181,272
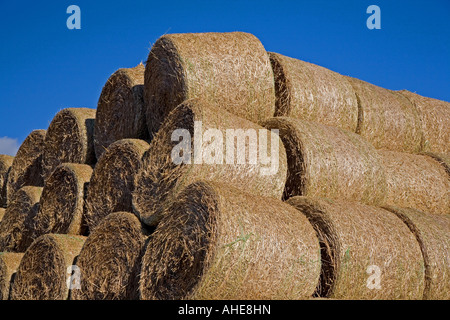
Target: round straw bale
x,y
26,169
69,139
9,262
229,70
433,234
5,164
112,181
161,178
110,259
435,119
120,110
358,241
309,92
386,118
2,213
443,159
43,271
416,181
17,225
61,208
325,161
218,242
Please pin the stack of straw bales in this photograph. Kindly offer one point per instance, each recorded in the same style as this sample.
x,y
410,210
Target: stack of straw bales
x,y
156,194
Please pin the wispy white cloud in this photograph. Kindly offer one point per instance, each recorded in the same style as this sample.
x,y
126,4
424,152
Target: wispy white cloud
x,y
9,146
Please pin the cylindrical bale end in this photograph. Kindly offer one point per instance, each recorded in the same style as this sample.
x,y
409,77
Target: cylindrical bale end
x,y
230,245
120,110
17,225
110,259
70,139
62,202
45,271
26,169
112,183
9,262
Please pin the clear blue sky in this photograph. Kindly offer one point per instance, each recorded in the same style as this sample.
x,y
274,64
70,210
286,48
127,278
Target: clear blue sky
x,y
46,67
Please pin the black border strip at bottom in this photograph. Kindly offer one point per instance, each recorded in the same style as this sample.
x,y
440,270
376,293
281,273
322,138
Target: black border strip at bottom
x,y
228,309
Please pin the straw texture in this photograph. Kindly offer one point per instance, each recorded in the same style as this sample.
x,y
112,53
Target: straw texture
x,y
217,242
387,119
433,234
161,178
17,225
26,169
309,92
69,139
112,183
61,207
43,270
9,262
110,259
325,161
416,181
357,240
5,165
435,119
120,110
231,71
